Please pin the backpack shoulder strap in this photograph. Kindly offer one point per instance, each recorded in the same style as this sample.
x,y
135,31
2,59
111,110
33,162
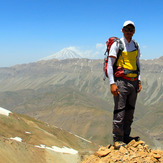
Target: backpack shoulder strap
x,y
137,47
136,44
121,48
120,44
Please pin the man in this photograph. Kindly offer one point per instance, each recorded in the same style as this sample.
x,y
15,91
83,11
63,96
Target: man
x,y
124,86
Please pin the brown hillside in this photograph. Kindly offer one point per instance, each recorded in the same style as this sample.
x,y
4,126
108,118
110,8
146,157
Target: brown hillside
x,y
68,93
24,139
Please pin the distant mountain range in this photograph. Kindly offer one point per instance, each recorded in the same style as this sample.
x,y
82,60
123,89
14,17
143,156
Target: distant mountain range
x,y
72,95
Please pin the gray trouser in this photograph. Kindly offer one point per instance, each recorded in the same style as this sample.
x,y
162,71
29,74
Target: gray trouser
x,y
124,105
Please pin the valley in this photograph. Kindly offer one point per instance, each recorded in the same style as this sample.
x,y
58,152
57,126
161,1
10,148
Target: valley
x,y
72,95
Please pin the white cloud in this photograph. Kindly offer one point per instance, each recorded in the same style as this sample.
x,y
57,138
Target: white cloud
x,y
144,46
82,52
76,49
96,52
93,53
100,50
100,46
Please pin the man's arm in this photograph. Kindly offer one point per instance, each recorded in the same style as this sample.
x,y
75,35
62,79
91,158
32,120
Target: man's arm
x,y
112,58
138,66
139,81
113,87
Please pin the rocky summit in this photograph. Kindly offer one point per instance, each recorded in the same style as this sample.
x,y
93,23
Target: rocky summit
x,y
135,152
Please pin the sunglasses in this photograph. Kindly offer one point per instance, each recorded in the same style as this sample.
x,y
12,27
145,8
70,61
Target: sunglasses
x,y
126,29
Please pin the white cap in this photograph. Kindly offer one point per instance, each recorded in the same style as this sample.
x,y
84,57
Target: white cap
x,y
126,23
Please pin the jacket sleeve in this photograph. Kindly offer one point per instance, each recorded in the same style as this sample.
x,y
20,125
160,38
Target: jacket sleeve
x,y
114,50
111,62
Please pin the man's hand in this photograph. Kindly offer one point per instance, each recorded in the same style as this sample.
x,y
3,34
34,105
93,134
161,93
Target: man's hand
x,y
114,89
139,86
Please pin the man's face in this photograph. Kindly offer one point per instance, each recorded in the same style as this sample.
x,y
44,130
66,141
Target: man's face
x,y
128,32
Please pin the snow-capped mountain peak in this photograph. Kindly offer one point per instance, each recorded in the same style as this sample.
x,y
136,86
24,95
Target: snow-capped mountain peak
x,y
65,53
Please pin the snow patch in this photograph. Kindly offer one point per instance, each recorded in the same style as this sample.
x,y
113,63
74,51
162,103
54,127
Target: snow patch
x,y
58,149
4,111
83,139
41,146
65,53
17,139
28,132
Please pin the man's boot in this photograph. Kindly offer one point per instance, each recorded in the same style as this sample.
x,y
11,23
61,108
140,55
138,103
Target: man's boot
x,y
129,138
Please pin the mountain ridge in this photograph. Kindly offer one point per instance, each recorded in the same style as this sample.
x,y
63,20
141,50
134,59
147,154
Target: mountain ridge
x,y
33,88
24,139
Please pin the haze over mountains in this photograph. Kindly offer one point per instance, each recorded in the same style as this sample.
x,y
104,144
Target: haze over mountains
x,y
72,95
74,52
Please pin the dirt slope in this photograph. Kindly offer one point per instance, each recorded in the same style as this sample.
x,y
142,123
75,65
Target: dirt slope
x,y
24,139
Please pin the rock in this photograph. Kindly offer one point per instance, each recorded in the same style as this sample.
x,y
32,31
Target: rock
x,y
138,143
157,156
133,152
102,153
123,150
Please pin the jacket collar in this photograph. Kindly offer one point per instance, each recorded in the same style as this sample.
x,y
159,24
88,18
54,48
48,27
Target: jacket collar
x,y
126,42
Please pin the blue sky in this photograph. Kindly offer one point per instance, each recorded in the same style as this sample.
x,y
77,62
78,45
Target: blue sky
x,y
33,29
